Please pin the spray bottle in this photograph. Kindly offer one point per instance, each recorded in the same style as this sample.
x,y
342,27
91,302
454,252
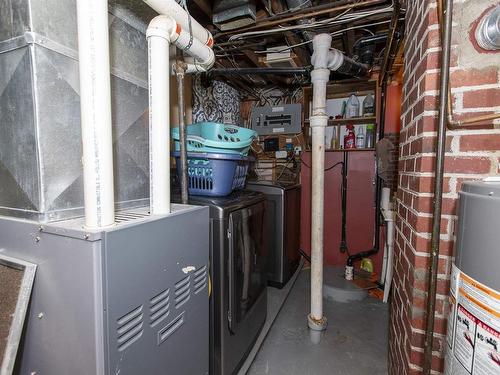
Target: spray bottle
x,y
350,137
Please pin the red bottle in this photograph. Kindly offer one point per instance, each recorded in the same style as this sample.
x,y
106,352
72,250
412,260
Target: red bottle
x,y
350,137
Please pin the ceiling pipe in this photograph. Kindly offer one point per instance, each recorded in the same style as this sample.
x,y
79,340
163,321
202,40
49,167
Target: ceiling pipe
x,y
323,59
163,30
260,71
95,107
305,13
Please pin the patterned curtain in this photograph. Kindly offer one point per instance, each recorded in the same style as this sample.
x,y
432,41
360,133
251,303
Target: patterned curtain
x,y
218,102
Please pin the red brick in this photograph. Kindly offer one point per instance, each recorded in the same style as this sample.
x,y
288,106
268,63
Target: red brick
x,y
474,77
481,98
461,164
480,142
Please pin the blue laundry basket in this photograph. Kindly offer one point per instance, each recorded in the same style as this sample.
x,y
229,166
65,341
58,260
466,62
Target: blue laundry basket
x,y
214,174
215,137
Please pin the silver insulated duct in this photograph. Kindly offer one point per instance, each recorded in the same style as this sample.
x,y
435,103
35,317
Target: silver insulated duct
x,y
40,135
232,14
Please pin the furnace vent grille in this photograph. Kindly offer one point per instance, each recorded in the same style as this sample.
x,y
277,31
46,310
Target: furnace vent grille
x,y
122,217
159,307
200,279
182,291
129,328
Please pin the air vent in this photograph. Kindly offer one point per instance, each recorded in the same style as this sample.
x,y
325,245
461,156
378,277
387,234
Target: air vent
x,y
173,326
121,217
182,291
200,279
129,328
159,307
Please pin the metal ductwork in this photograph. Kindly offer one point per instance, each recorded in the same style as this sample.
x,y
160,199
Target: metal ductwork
x,y
233,14
41,170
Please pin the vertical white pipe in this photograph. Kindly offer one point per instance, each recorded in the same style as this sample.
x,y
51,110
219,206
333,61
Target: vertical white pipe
x,y
95,106
318,121
317,205
159,121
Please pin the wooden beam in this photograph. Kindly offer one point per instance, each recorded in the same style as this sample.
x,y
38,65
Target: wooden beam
x,y
205,6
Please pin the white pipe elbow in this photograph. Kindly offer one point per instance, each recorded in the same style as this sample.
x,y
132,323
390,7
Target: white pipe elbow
x,y
166,27
163,27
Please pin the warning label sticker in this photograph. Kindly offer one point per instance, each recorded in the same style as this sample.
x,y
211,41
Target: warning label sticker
x,y
486,356
465,333
473,335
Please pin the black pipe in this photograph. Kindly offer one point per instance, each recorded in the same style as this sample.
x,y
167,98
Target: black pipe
x,y
352,68
438,182
388,58
378,192
364,48
258,71
372,39
343,240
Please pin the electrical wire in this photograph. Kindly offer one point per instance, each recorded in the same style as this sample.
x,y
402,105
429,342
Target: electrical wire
x,y
326,169
344,17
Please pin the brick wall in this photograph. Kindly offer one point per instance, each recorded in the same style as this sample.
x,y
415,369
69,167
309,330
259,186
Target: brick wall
x,y
470,154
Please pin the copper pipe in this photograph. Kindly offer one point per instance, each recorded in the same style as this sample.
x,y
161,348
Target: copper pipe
x,y
305,13
452,123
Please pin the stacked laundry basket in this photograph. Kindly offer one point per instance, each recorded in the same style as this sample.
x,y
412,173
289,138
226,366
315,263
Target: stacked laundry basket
x,y
217,157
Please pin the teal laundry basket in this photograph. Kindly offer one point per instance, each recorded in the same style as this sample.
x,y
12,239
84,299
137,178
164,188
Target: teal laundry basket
x,y
215,137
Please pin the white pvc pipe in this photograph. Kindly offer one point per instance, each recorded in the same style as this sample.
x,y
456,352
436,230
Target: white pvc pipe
x,y
317,215
159,123
95,106
162,31
390,259
318,121
174,10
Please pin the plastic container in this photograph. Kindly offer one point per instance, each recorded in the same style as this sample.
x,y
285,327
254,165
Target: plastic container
x,y
215,137
350,137
360,138
352,107
368,106
214,174
370,136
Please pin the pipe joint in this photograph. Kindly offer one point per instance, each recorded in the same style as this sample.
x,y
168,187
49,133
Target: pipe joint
x,y
320,75
318,121
335,59
163,27
321,46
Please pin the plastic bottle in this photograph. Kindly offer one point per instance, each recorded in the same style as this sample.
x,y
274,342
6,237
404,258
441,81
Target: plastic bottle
x,y
370,136
350,137
360,138
368,106
352,109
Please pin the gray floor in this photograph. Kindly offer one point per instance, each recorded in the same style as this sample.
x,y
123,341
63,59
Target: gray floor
x,y
355,341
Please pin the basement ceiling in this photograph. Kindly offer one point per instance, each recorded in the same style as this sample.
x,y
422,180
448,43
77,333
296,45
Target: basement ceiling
x,y
278,33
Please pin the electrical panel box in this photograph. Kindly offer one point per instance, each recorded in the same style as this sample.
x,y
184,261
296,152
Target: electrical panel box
x,y
285,119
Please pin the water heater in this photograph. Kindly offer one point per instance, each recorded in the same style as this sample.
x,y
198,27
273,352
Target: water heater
x,y
473,337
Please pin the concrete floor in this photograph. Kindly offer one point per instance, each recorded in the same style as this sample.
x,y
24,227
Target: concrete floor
x,y
355,342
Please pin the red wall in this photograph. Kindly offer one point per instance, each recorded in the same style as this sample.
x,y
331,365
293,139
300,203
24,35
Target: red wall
x,y
360,206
